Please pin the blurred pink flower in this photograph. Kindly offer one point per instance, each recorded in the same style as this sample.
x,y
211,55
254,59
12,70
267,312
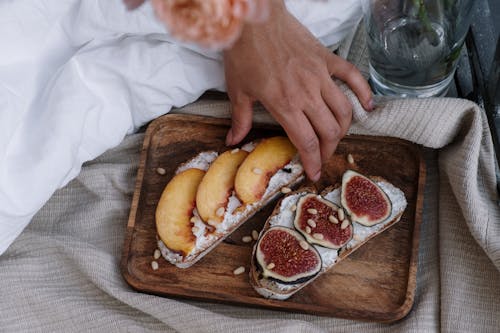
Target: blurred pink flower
x,y
214,24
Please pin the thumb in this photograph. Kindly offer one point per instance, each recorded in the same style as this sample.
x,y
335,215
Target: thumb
x,y
347,72
241,121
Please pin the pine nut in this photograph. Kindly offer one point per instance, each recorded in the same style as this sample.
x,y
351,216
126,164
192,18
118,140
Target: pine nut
x,y
312,211
235,150
285,190
350,159
154,265
195,229
311,223
344,224
308,229
318,236
257,171
255,235
239,270
271,265
333,219
246,239
220,211
213,223
341,214
357,238
293,208
161,171
303,244
194,219
156,254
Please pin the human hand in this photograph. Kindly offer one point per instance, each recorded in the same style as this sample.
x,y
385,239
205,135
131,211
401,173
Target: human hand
x,y
282,65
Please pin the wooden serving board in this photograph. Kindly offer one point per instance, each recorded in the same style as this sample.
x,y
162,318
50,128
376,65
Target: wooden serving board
x,y
376,283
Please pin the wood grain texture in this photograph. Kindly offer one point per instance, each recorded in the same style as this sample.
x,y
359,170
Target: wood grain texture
x,y
375,283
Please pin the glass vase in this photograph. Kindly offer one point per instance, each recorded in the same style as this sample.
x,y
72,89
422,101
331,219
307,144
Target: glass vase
x,y
414,45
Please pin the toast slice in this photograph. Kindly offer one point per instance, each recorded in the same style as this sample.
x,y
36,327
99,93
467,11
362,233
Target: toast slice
x,y
284,215
217,209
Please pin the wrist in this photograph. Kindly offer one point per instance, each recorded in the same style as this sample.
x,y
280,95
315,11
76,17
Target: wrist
x,y
255,32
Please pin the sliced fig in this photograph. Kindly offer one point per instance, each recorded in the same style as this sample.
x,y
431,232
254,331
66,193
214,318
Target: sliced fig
x,y
364,201
284,255
322,222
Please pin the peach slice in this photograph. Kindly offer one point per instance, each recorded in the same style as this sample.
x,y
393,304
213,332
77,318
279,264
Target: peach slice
x,y
175,210
216,186
261,164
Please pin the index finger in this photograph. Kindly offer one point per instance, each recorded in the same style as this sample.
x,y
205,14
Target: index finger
x,y
347,72
302,135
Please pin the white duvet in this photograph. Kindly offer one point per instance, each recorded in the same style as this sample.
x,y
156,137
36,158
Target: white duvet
x,y
77,75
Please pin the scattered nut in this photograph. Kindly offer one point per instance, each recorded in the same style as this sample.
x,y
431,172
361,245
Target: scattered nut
x,y
154,265
333,219
194,219
235,150
341,215
293,208
344,224
246,239
161,171
195,229
311,223
220,211
318,236
255,235
303,244
239,270
213,223
257,171
271,265
357,238
312,211
350,159
156,254
308,229
285,190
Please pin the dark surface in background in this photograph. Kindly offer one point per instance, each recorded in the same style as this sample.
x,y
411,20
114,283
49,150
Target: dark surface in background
x,y
478,74
486,28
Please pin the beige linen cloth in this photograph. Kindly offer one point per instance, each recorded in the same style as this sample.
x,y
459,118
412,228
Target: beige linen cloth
x,y
62,274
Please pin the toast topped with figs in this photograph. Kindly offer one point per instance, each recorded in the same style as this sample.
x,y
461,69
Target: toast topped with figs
x,y
309,233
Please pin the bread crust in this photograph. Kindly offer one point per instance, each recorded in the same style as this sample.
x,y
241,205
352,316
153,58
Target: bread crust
x,y
217,237
273,290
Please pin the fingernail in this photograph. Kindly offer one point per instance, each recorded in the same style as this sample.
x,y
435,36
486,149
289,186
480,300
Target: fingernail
x,y
229,138
371,105
316,177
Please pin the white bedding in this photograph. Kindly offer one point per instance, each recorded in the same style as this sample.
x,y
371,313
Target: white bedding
x,y
77,76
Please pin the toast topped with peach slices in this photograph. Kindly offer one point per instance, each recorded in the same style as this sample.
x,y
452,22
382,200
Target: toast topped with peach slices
x,y
211,195
309,233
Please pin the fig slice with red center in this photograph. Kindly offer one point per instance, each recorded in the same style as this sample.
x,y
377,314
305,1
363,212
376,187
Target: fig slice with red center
x,y
283,255
364,201
319,221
